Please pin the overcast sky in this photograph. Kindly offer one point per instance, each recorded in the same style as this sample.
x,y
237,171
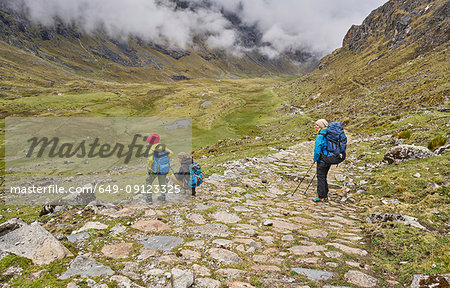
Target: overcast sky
x,y
315,25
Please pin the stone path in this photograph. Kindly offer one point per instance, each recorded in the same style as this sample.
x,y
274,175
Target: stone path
x,y
243,229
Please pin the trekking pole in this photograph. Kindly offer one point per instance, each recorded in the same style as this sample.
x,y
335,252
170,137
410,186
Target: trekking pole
x,y
310,184
302,179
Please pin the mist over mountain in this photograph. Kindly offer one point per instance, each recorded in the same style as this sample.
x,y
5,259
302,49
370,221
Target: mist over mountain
x,y
270,28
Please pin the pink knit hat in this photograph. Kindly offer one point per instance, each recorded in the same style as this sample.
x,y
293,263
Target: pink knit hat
x,y
153,138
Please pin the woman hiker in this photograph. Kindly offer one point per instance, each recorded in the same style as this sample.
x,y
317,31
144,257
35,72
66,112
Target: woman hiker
x,y
182,177
158,165
322,168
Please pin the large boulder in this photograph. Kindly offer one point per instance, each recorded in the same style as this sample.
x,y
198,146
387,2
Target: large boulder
x,y
404,219
31,241
407,152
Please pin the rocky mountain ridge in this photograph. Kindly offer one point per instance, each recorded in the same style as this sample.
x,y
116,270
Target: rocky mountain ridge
x,y
99,55
397,23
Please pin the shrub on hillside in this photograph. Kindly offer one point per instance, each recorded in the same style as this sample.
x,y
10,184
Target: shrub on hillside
x,y
437,142
404,134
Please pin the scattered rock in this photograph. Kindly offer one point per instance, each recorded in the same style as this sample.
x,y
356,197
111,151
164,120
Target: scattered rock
x,y
223,243
333,254
182,278
284,226
207,283
316,233
91,225
422,281
226,217
146,253
151,226
213,230
86,267
224,256
78,237
442,149
162,243
349,250
201,270
36,275
287,238
196,218
406,153
313,275
384,217
190,254
97,206
268,222
237,284
117,230
231,273
123,281
11,225
360,279
117,251
304,250
31,241
268,268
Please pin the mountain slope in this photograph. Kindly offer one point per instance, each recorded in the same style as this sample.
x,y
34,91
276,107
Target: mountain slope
x,y
389,85
98,56
395,62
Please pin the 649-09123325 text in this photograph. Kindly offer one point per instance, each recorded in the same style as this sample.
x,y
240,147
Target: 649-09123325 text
x,y
97,188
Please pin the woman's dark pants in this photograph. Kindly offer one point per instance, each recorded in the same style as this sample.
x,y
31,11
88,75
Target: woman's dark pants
x,y
322,185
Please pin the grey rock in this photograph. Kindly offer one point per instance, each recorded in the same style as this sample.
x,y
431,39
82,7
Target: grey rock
x,y
384,217
206,103
91,225
78,237
161,243
360,279
213,230
268,222
419,280
442,149
407,152
33,242
225,217
207,283
182,278
314,275
11,225
124,282
86,267
224,256
348,250
287,238
215,177
78,199
117,230
3,255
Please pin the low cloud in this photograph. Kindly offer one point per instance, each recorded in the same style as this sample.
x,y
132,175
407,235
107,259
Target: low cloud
x,y
316,26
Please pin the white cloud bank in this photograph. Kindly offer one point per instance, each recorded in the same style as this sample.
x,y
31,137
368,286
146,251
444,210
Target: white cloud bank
x,y
316,26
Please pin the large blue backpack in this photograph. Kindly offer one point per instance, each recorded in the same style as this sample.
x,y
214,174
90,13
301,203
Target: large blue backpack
x,y
336,144
196,176
161,163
